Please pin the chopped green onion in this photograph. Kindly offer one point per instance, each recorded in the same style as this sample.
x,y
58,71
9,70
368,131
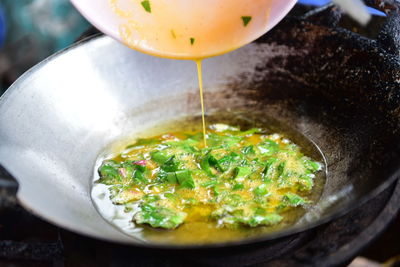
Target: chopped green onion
x,y
238,186
269,167
242,172
209,183
170,165
293,200
268,147
146,5
185,179
248,150
159,217
159,156
269,219
261,191
246,20
171,178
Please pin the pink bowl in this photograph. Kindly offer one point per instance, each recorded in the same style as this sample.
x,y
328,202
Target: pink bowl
x,y
101,15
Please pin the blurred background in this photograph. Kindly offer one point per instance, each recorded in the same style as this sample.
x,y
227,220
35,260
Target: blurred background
x,y
31,30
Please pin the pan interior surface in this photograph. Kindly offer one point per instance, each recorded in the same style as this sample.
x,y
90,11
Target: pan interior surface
x,y
58,118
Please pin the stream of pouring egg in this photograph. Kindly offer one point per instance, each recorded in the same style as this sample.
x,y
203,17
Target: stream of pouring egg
x,y
200,78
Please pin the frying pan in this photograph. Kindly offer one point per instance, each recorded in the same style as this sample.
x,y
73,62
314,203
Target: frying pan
x,y
336,87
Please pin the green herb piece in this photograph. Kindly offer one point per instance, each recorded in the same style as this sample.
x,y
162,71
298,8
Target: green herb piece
x,y
292,148
293,200
306,182
268,147
170,165
230,141
267,220
126,173
140,176
185,179
186,145
159,156
169,177
182,177
233,200
260,191
159,217
133,172
220,192
246,20
205,165
238,186
231,216
269,168
226,141
209,183
146,5
127,169
242,172
281,168
214,163
248,150
225,162
192,40
109,173
310,165
216,190
210,161
120,196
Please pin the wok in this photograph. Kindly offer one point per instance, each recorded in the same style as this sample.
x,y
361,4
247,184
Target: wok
x,y
339,89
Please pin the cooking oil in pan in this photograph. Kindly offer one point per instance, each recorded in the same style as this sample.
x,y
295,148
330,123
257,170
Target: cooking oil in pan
x,y
212,221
